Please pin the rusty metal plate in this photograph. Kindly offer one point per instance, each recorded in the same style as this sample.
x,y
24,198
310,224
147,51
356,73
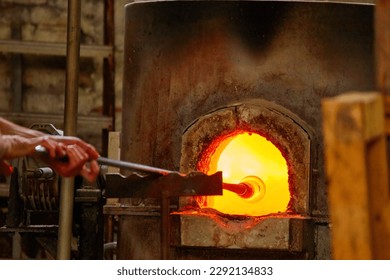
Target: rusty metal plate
x,y
170,185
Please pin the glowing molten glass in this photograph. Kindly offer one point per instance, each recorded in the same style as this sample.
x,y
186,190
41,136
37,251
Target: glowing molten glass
x,y
252,159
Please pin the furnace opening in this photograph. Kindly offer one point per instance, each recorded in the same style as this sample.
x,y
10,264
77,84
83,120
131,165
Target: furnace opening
x,y
247,159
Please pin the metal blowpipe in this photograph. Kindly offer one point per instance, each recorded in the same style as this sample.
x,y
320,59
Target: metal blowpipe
x,y
244,190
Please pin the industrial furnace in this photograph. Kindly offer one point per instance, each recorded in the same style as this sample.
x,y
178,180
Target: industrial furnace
x,y
236,86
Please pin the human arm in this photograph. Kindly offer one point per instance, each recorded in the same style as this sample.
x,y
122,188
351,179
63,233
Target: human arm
x,y
10,128
17,141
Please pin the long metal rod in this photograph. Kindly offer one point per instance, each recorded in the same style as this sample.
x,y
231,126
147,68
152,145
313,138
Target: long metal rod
x,y
70,119
133,166
243,190
40,150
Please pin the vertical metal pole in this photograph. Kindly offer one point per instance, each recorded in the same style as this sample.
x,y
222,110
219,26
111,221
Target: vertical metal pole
x,y
70,119
108,72
17,71
165,225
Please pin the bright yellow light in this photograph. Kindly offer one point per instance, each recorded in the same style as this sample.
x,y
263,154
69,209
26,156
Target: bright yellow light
x,y
249,154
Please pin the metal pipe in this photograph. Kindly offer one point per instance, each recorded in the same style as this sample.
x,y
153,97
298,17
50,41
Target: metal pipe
x,y
243,190
133,166
42,172
70,121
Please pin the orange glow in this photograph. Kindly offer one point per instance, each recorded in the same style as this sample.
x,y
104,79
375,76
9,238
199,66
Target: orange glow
x,y
243,155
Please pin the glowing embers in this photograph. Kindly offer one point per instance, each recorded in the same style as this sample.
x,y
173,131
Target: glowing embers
x,y
254,172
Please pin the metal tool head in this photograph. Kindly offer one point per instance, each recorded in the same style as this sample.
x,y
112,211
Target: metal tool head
x,y
171,185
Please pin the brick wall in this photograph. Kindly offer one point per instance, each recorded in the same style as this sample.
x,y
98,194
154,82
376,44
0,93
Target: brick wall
x,y
43,76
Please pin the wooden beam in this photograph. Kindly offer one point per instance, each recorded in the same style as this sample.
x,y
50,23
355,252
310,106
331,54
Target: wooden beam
x,y
113,153
386,100
356,169
114,149
27,119
55,49
4,190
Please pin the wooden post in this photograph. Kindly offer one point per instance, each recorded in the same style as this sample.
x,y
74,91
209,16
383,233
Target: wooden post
x,y
114,149
356,168
382,53
382,45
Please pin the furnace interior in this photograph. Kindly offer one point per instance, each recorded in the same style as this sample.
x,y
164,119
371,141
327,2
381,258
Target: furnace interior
x,y
263,64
